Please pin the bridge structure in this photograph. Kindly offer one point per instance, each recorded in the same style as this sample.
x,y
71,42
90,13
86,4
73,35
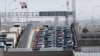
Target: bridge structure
x,y
27,15
34,14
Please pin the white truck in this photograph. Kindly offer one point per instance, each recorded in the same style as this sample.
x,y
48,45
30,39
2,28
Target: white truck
x,y
17,27
11,40
13,35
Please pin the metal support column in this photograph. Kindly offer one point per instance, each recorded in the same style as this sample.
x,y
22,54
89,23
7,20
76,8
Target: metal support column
x,y
27,10
74,20
74,12
55,27
66,21
0,23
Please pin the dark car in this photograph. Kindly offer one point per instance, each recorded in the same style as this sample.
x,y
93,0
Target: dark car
x,y
50,44
60,44
50,38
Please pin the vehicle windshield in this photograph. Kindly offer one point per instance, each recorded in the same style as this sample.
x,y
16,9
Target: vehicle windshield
x,y
8,44
69,42
60,43
68,31
49,43
40,44
60,39
49,36
16,25
41,36
40,39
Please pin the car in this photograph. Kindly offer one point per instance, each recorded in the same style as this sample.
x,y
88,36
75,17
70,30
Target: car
x,y
50,44
40,45
68,35
9,45
50,38
50,28
60,31
67,39
41,39
50,31
45,26
42,29
42,32
60,34
60,27
68,31
49,34
2,44
41,36
60,39
69,43
60,43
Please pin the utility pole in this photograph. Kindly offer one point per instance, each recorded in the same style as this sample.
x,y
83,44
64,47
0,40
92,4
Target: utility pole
x,y
74,20
10,8
66,16
0,23
93,22
27,14
27,10
74,12
66,21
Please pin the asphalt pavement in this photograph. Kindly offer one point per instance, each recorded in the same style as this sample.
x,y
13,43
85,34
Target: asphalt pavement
x,y
23,42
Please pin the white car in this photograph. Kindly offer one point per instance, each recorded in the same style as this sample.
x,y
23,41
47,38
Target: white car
x,y
42,33
69,35
45,28
40,45
50,44
60,39
50,38
49,31
69,43
2,44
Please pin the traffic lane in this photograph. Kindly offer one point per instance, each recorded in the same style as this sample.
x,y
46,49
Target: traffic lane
x,y
24,37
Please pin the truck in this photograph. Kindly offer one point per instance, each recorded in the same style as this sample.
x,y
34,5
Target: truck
x,y
11,40
13,35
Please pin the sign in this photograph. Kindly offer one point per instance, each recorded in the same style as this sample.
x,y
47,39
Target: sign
x,y
54,13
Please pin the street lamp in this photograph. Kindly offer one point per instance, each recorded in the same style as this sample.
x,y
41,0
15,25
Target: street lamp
x,y
80,12
93,10
77,29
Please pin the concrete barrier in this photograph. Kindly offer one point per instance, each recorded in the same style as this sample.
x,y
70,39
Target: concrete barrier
x,y
1,51
40,53
88,43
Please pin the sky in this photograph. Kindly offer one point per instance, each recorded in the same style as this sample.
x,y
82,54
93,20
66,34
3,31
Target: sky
x,y
54,5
